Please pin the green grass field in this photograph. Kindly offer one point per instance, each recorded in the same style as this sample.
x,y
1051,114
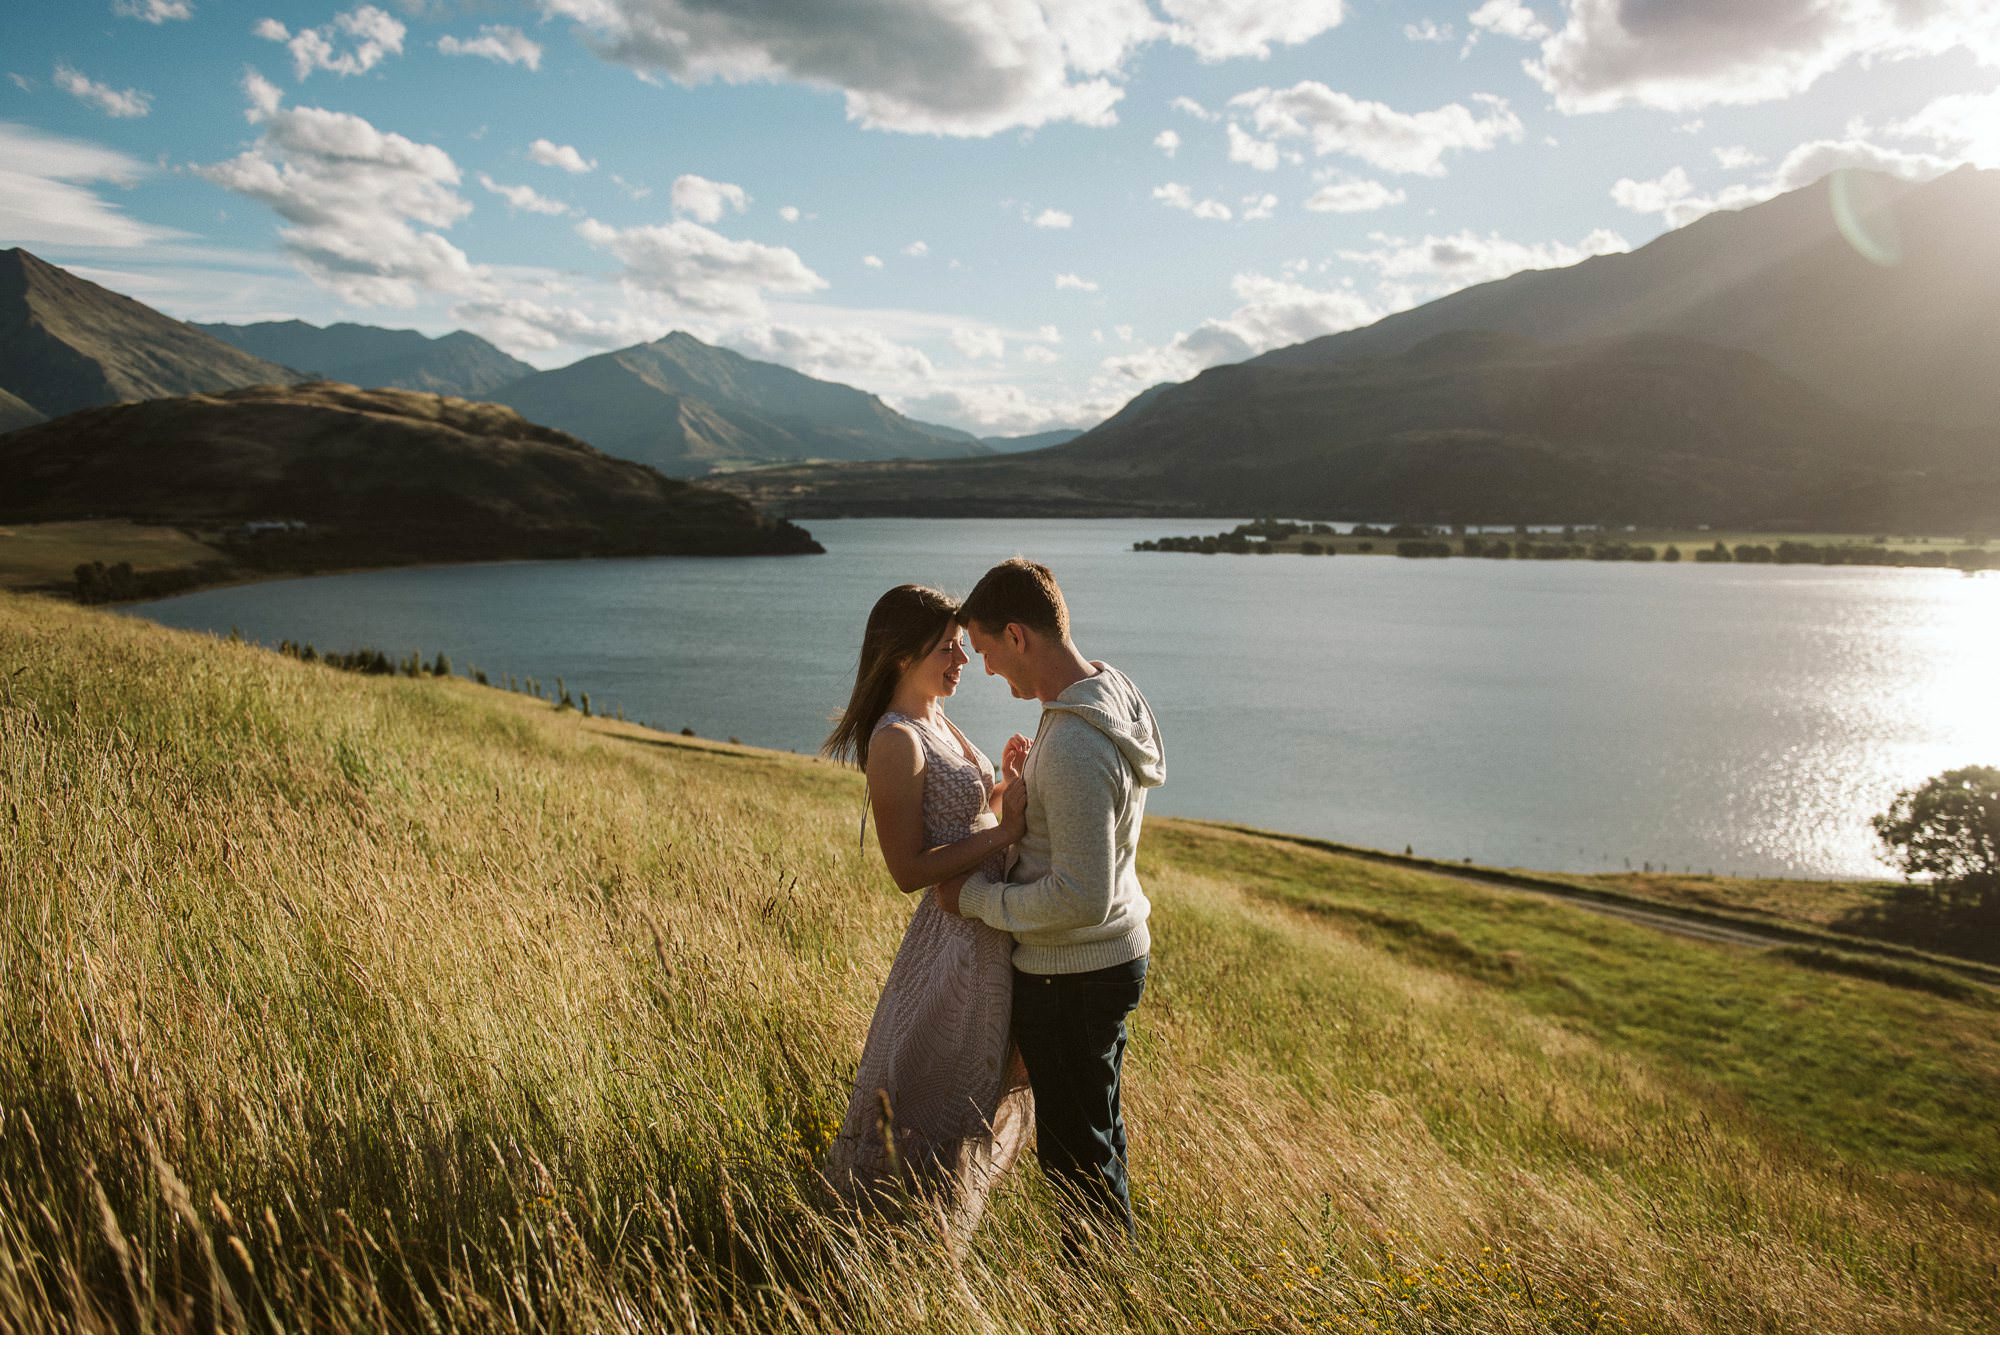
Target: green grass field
x,y
340,1003
42,556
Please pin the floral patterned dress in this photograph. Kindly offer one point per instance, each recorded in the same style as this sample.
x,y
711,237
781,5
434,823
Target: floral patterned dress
x,y
941,1104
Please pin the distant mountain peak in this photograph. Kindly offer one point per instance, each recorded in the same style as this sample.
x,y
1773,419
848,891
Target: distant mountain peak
x,y
67,343
689,406
461,363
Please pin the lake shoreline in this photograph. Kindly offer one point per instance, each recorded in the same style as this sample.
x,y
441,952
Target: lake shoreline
x,y
1734,721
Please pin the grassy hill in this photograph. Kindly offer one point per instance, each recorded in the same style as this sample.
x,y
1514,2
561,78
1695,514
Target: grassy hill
x,y
372,1004
372,478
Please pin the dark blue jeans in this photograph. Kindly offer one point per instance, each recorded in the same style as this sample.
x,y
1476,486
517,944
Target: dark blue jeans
x,y
1071,1032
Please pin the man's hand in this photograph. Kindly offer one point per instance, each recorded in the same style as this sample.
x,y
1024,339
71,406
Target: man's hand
x,y
1014,810
947,894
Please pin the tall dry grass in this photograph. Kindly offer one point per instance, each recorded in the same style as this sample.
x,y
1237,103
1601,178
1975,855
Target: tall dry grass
x,y
337,1003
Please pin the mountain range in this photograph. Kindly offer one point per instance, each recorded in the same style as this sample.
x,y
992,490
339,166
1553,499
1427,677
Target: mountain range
x,y
67,343
687,407
1877,291
1822,358
1467,427
678,404
459,364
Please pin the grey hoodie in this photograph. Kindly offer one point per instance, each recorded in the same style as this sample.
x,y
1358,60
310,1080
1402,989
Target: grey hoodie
x,y
1072,899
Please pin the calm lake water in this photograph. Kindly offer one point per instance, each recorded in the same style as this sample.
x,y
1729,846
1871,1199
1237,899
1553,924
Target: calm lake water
x,y
1567,715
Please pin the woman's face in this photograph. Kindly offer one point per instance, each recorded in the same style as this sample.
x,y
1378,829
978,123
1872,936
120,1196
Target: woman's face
x,y
935,675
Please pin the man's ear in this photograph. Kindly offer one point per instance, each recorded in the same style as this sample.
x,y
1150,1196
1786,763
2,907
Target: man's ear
x,y
1017,636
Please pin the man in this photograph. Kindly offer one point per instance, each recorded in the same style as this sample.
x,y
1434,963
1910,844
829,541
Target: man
x,y
1072,901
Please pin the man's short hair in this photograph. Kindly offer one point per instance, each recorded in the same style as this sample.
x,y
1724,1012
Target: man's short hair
x,y
1018,591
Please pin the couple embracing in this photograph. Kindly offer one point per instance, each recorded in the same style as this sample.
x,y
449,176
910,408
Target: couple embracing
x,y
1004,1011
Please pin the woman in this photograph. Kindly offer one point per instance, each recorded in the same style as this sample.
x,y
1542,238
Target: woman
x,y
941,1104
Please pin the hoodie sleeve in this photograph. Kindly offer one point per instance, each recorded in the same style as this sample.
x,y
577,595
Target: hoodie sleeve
x,y
1080,780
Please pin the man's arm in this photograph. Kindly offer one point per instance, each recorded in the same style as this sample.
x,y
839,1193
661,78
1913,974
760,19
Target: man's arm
x,y
1079,778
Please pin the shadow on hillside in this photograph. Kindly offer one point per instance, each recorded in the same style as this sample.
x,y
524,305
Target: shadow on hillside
x,y
1909,916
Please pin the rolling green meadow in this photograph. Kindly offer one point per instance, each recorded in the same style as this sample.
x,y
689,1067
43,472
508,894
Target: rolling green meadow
x,y
346,1003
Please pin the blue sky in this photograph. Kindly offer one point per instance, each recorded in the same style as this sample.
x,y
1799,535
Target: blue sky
x,y
1005,215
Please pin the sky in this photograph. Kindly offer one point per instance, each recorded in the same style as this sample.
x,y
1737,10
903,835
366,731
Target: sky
x,y
1002,215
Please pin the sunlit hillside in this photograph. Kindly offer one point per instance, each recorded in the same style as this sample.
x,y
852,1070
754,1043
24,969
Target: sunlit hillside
x,y
349,1003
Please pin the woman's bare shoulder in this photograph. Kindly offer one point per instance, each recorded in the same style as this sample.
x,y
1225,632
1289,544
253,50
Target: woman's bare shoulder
x,y
895,745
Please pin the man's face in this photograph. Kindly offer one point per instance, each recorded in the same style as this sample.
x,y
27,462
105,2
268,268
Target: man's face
x,y
1005,654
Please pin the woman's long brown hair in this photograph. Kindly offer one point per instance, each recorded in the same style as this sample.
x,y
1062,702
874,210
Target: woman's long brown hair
x,y
903,626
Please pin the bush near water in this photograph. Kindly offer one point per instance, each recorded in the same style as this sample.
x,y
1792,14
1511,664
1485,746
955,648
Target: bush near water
x,y
339,1003
1317,538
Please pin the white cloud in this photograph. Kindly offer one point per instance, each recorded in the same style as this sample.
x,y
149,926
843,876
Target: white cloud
x,y
1657,195
923,66
1616,53
1427,30
870,260
1508,18
1071,281
45,197
1737,156
1257,207
1399,142
524,198
111,102
1245,148
496,42
789,214
1052,219
636,191
1218,30
564,157
834,352
997,408
369,35
1048,332
698,269
21,82
1169,142
1462,259
517,323
979,344
1965,125
1272,313
1348,195
940,67
1177,196
1040,355
1673,196
916,249
153,11
362,207
1193,109
706,200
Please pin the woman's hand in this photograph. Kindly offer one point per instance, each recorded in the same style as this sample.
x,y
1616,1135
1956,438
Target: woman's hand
x,y
1013,809
1014,758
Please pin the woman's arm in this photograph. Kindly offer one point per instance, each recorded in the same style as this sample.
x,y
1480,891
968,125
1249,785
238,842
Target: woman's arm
x,y
896,786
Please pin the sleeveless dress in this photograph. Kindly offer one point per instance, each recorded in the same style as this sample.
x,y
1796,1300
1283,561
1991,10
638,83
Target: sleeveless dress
x,y
941,1104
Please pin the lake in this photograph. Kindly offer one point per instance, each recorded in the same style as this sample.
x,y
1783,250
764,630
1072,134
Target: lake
x,y
1575,716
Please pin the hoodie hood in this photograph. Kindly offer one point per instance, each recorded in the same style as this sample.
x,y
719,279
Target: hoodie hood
x,y
1113,704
